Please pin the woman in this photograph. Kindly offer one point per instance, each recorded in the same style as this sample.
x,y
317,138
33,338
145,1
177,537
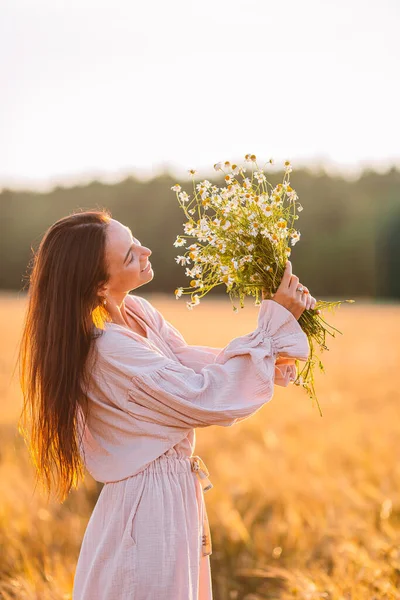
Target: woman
x,y
112,386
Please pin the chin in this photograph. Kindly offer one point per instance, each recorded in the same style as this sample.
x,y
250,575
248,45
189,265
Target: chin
x,y
146,277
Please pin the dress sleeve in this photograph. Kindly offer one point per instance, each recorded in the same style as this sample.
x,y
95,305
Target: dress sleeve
x,y
154,388
197,357
193,356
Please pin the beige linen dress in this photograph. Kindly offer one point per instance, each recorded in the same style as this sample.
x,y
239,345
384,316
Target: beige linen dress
x,y
148,537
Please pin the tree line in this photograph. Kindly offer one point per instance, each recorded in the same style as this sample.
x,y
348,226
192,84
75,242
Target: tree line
x,y
349,246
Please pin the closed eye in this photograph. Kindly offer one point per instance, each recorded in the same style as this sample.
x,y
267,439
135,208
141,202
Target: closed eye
x,y
130,250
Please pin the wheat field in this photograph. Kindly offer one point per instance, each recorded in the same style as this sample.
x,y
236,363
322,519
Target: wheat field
x,y
303,506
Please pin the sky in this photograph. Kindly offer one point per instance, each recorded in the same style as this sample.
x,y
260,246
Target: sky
x,y
103,89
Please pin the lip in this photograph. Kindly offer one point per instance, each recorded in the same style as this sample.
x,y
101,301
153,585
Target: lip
x,y
146,268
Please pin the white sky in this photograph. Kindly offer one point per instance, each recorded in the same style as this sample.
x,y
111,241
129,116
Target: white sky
x,y
103,88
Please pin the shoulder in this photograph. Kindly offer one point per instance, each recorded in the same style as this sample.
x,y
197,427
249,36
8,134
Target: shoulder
x,y
115,338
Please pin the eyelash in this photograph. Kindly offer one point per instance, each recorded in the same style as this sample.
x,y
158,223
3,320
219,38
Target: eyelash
x,y
131,259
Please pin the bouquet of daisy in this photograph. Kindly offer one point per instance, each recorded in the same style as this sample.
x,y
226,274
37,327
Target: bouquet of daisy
x,y
241,234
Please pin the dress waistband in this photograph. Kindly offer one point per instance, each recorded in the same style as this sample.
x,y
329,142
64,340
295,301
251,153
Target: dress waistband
x,y
179,464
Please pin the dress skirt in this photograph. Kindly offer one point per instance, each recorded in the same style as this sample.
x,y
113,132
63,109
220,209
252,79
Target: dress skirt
x,y
145,537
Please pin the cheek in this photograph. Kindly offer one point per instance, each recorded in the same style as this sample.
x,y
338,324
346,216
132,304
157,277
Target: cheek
x,y
134,268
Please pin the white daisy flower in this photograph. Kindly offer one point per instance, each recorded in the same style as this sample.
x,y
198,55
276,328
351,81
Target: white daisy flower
x,y
227,279
188,228
263,198
195,302
295,237
176,187
190,272
178,292
182,260
259,175
183,196
221,246
179,241
227,209
216,200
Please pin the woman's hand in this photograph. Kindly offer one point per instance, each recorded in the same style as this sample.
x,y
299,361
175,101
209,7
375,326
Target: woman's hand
x,y
288,296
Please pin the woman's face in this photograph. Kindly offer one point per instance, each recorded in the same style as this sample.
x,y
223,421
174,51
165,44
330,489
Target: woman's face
x,y
126,259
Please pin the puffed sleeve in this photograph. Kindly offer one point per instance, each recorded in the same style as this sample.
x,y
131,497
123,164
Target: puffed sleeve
x,y
193,356
157,389
197,357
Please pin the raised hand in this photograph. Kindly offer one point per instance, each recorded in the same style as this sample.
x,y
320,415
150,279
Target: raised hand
x,y
290,297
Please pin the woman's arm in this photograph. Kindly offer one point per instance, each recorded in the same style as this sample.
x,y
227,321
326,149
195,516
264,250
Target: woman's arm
x,y
197,357
153,388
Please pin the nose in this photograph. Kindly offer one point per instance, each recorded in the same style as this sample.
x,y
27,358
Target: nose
x,y
147,251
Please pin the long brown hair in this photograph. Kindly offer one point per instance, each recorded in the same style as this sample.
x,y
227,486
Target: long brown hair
x,y
64,316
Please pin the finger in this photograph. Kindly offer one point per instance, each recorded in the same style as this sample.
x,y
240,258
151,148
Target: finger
x,y
294,282
287,274
307,297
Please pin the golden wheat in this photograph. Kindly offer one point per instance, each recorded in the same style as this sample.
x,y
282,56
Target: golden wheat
x,y
303,506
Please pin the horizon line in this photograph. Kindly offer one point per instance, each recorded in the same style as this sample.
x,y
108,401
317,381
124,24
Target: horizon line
x,y
346,171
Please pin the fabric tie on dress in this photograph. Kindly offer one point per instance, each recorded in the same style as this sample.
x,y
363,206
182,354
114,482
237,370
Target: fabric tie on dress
x,y
199,467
